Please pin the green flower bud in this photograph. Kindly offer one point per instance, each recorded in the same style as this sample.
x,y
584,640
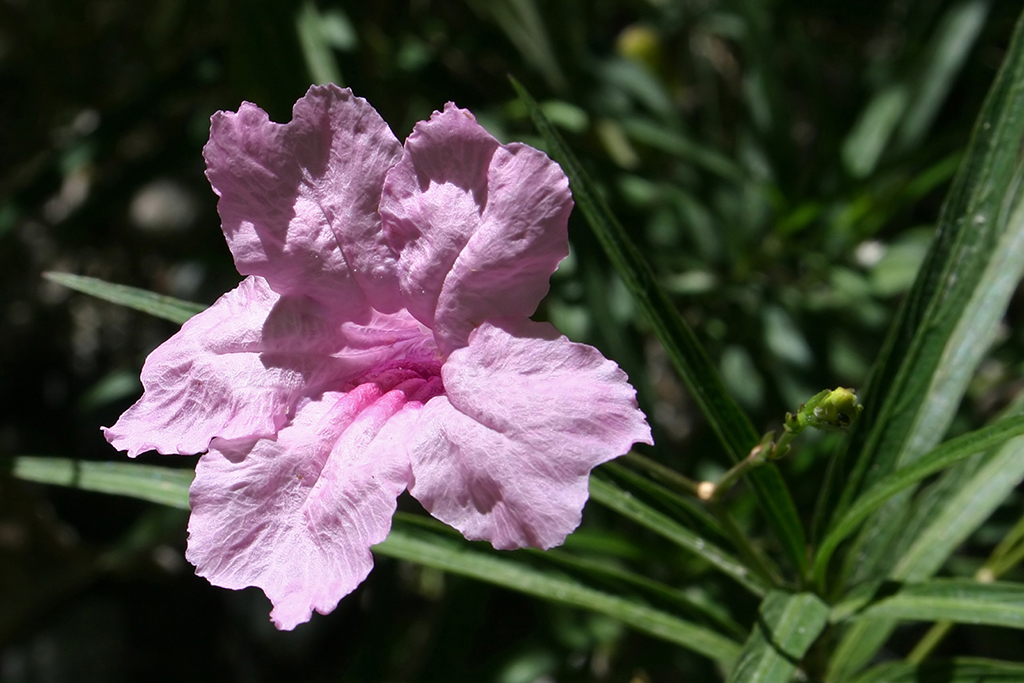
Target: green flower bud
x,y
836,410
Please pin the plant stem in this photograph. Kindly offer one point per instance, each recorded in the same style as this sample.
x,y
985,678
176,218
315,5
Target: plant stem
x,y
666,474
712,492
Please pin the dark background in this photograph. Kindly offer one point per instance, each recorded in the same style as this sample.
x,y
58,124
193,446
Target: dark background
x,y
735,139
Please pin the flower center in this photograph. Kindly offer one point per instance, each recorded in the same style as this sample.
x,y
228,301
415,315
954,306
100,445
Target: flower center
x,y
419,380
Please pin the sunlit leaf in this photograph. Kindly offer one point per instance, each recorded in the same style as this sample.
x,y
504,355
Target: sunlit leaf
x,y
787,626
948,320
316,45
957,600
148,482
158,305
960,670
945,455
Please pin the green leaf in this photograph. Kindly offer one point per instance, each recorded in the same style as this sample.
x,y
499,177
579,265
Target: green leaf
x,y
945,455
523,24
602,569
948,320
316,45
148,482
944,517
158,305
787,626
458,558
170,487
976,498
959,670
616,499
864,145
729,422
946,53
959,600
676,144
682,508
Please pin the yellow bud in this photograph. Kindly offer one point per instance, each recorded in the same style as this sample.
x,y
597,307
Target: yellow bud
x,y
641,44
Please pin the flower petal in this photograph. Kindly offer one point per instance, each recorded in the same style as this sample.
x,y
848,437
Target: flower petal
x,y
299,200
236,370
478,227
297,515
505,455
207,380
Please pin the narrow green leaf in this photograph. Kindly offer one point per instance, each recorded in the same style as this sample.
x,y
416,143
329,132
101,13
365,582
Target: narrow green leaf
x,y
864,145
946,53
676,144
458,558
959,600
939,458
787,626
944,517
959,670
170,487
947,321
962,513
316,48
602,569
616,499
158,305
148,482
684,509
729,422
523,24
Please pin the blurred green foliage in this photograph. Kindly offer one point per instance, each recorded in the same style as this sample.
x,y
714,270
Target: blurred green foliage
x,y
780,164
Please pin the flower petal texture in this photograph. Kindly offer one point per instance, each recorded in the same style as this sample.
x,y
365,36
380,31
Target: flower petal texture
x,y
509,465
479,227
380,343
299,200
208,381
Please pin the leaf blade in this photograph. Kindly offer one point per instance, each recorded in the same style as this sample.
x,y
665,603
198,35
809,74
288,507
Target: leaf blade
x,y
616,499
158,305
945,323
945,455
509,574
787,626
147,482
958,670
727,420
958,600
170,487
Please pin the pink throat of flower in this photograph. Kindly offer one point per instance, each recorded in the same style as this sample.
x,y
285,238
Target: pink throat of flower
x,y
416,381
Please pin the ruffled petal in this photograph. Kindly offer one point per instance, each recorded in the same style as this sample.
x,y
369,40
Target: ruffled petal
x,y
238,369
298,201
478,227
207,381
297,515
505,455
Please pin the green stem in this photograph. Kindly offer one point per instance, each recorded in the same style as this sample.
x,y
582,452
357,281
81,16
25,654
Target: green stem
x,y
667,475
712,492
929,641
781,447
1008,546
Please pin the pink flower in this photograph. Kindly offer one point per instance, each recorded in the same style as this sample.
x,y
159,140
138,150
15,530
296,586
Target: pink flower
x,y
381,342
